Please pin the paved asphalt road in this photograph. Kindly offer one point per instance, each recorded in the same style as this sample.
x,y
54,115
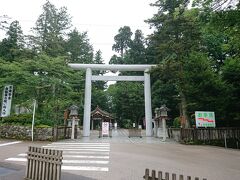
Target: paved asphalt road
x,y
123,158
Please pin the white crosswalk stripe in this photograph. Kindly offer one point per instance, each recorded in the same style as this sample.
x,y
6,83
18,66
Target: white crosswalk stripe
x,y
75,156
10,143
78,156
84,168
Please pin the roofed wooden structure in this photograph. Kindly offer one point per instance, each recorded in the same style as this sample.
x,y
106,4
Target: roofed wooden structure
x,y
99,113
98,116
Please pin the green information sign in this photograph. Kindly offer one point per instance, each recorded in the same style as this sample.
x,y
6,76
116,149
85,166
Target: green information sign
x,y
205,119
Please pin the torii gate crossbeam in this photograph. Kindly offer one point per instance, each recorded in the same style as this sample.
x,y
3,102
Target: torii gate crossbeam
x,y
90,78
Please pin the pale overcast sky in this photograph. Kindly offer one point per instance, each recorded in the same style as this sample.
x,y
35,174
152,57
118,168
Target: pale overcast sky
x,y
101,18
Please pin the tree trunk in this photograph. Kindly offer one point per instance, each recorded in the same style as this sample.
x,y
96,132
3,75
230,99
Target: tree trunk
x,y
122,53
185,123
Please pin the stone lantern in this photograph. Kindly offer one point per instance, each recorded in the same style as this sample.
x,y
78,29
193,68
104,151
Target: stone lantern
x,y
160,122
73,118
163,111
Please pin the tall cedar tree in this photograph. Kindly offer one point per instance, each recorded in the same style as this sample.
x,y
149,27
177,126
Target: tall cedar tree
x,y
50,29
12,46
175,36
79,48
122,40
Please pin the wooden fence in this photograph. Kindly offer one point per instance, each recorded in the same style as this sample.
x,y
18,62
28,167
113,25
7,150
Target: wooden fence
x,y
167,176
207,134
43,164
134,133
63,132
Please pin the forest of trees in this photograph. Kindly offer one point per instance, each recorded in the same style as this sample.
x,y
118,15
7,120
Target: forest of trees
x,y
196,47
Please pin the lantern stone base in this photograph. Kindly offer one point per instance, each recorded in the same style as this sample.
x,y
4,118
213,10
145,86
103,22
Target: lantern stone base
x,y
160,133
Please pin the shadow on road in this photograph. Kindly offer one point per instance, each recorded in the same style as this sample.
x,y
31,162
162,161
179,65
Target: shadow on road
x,y
10,171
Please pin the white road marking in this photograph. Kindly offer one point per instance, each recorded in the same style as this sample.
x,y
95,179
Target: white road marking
x,y
10,143
72,144
85,152
78,147
74,152
22,155
17,159
95,150
84,168
88,157
75,156
86,147
64,161
85,162
81,143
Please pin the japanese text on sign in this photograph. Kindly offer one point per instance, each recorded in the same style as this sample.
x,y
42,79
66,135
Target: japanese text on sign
x,y
6,100
105,129
205,119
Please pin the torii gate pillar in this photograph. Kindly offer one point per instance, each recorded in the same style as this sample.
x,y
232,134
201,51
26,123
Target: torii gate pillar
x,y
87,103
148,103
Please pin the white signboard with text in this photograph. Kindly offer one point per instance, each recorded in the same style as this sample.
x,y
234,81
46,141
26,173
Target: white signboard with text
x,y
205,119
6,100
105,128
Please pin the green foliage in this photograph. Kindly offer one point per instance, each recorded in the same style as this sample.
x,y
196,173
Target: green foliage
x,y
126,123
116,60
176,122
26,120
79,48
126,100
231,77
37,68
176,36
164,89
191,48
99,85
44,123
21,119
137,51
50,28
12,46
44,79
131,51
122,40
205,89
99,98
176,32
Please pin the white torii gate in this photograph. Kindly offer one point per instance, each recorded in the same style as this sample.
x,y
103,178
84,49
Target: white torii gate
x,y
113,67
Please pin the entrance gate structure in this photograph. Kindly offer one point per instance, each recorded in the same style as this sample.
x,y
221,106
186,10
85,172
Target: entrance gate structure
x,y
88,87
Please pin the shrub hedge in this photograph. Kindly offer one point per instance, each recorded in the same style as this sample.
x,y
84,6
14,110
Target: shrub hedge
x,y
25,120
